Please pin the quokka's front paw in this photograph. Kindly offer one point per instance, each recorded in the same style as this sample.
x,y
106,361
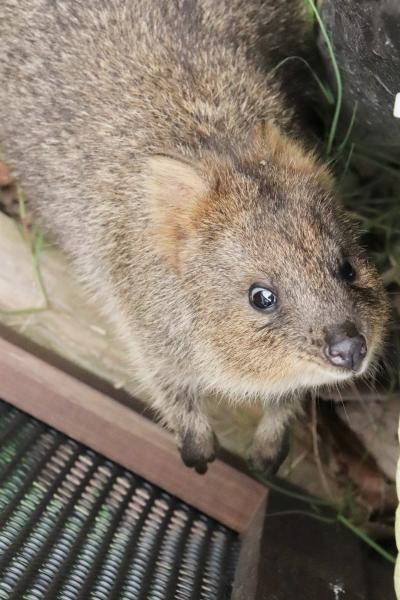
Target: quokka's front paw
x,y
267,457
197,450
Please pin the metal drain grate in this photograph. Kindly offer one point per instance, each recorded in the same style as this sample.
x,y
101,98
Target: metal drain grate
x,y
75,526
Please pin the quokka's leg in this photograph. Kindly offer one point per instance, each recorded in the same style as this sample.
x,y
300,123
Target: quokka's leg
x,y
271,440
182,412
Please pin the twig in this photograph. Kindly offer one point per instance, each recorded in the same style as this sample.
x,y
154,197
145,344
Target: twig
x,y
317,456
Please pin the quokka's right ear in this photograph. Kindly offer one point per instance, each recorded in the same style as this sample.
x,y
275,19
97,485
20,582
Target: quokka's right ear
x,y
273,143
174,188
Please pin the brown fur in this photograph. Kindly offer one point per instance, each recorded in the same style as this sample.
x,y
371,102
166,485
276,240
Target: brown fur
x,y
156,145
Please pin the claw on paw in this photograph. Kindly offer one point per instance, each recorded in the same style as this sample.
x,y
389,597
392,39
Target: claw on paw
x,y
197,453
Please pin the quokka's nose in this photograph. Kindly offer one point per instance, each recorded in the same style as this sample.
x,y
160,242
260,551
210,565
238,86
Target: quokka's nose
x,y
346,347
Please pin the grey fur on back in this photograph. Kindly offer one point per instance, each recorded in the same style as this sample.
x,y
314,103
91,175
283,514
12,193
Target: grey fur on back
x,y
132,74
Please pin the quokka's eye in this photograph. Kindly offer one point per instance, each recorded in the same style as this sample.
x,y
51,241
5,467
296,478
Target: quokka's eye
x,y
262,298
347,272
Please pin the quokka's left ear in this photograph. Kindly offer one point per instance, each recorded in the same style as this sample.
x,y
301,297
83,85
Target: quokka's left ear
x,y
174,188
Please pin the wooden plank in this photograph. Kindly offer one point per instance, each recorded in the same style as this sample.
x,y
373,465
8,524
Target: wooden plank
x,y
247,570
112,429
70,326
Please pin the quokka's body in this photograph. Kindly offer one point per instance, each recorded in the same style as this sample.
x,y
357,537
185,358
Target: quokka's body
x,y
153,141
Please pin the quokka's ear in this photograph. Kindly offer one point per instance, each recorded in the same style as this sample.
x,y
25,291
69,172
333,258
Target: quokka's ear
x,y
282,149
174,190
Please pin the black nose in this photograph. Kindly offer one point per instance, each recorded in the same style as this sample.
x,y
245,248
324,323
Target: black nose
x,y
346,347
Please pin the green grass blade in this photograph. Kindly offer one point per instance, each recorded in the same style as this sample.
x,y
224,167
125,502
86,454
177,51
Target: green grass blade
x,y
338,79
363,536
325,90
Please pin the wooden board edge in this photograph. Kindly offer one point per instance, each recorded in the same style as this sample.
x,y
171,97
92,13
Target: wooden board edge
x,y
247,570
93,418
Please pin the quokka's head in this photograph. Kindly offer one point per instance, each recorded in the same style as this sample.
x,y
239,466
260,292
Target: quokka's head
x,y
281,295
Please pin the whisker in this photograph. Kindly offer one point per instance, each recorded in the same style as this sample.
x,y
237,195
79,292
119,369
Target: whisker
x,y
345,412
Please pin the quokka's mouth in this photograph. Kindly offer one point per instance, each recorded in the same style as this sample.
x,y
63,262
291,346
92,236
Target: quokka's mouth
x,y
324,374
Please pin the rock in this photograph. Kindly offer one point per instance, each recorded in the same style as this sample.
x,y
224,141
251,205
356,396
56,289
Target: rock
x,y
366,40
375,423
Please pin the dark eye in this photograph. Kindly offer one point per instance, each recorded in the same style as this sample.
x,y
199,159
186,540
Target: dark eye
x,y
262,298
347,272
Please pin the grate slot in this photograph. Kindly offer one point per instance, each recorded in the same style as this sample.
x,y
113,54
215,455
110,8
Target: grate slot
x,y
55,569
46,533
193,551
117,502
166,574
219,566
32,505
16,450
126,542
153,532
14,420
19,481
